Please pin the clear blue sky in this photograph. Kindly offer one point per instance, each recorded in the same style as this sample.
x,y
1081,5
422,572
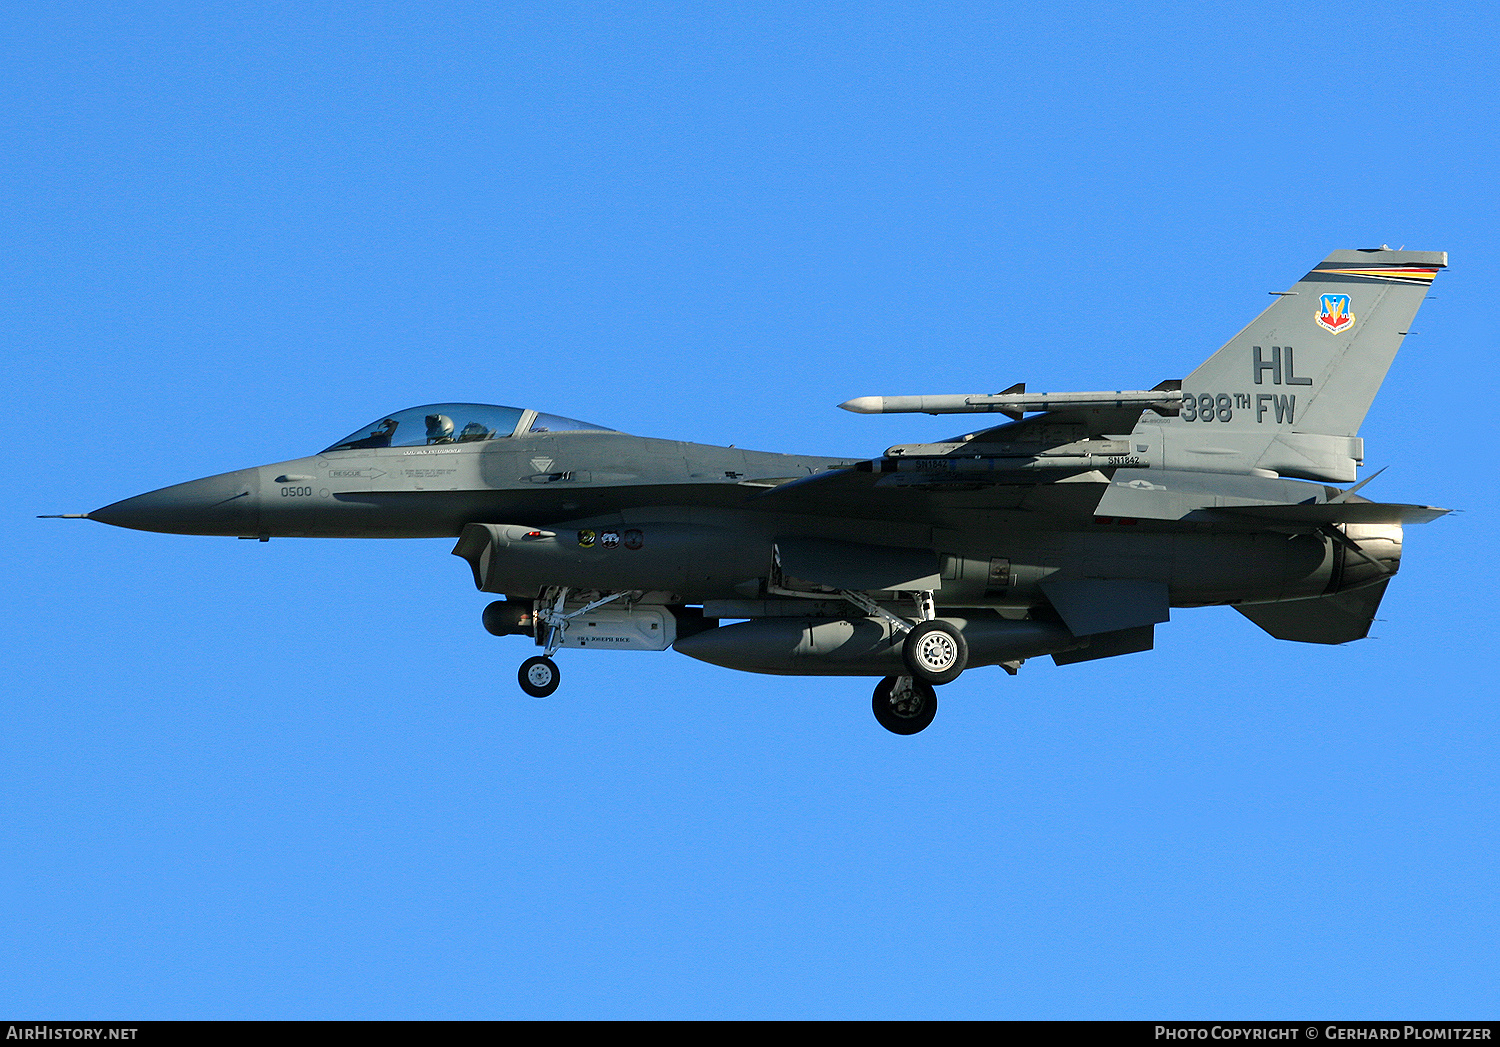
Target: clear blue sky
x,y
296,779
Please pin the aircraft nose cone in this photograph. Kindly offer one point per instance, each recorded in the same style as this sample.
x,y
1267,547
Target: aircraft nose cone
x,y
225,504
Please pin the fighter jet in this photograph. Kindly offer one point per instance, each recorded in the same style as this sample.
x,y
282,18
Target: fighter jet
x,y
1070,530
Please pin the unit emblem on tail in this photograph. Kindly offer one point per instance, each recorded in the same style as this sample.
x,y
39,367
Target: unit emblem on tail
x,y
1337,313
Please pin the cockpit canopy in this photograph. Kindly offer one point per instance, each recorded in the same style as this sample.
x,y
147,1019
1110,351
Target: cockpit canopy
x,y
456,424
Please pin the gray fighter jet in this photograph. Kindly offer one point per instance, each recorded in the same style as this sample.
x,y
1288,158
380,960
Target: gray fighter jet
x,y
1069,530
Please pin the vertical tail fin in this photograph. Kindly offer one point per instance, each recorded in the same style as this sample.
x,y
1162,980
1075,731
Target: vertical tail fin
x,y
1288,393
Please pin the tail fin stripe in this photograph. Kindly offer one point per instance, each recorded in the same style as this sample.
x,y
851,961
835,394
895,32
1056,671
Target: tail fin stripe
x,y
1403,275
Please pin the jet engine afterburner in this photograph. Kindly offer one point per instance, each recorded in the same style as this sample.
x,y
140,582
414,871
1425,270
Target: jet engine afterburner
x,y
1365,554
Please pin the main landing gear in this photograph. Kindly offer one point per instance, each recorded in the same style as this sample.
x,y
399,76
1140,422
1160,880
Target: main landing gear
x,y
903,705
933,651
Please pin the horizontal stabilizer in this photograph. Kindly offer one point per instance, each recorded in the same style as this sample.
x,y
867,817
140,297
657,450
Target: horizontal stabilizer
x,y
1178,494
1102,605
1338,512
1324,619
863,568
1166,494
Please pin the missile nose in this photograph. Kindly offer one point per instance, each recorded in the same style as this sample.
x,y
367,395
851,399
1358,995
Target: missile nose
x,y
226,504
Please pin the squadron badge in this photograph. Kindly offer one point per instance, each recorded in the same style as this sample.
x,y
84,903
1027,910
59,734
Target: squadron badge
x,y
586,539
1336,313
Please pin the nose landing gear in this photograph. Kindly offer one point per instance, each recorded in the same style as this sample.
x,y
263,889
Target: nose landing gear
x,y
539,676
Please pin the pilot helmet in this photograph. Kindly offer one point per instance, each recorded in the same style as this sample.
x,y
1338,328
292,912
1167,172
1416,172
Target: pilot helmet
x,y
439,428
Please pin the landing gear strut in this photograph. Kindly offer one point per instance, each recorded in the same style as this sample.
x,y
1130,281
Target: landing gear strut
x,y
903,705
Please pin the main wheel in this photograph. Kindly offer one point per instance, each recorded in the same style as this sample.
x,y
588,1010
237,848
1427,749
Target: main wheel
x,y
907,714
539,676
935,651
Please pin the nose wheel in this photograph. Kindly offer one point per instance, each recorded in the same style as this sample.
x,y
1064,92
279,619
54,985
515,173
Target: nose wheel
x,y
539,676
903,705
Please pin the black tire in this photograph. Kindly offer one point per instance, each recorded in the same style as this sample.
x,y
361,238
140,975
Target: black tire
x,y
911,714
539,676
935,651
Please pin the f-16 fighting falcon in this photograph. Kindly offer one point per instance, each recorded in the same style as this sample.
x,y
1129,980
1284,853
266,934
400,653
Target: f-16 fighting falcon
x,y
1071,529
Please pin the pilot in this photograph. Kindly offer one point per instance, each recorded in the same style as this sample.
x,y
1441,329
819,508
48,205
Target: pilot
x,y
379,437
439,429
475,431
